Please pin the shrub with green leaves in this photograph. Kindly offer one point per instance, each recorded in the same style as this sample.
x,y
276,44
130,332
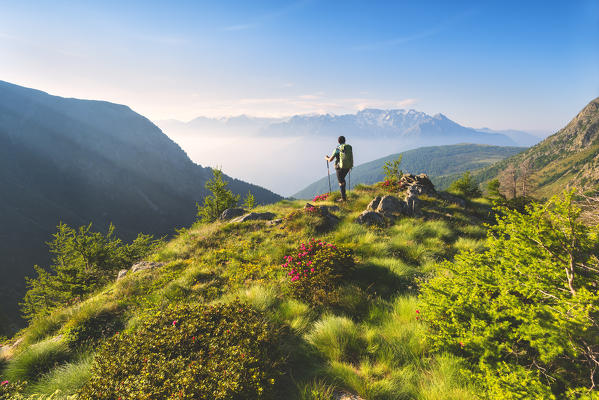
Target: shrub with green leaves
x,y
90,331
315,271
465,186
227,351
392,171
524,313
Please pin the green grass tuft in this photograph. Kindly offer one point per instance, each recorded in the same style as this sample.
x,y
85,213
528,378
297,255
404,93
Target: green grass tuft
x,y
37,360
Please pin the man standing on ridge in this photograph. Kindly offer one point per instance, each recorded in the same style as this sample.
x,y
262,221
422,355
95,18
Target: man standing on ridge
x,y
344,161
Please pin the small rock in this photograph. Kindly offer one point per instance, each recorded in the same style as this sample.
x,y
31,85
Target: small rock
x,y
372,206
231,213
122,274
346,396
370,218
144,265
274,222
254,216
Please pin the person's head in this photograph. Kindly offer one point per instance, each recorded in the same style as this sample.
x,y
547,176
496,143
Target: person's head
x,y
341,139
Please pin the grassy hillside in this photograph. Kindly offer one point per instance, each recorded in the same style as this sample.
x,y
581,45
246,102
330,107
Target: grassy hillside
x,y
568,158
76,161
368,340
443,164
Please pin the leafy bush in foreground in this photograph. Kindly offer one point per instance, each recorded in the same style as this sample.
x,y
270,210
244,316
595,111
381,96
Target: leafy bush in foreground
x,y
525,312
316,270
190,352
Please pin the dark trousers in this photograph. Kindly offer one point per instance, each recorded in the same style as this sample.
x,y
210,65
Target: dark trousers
x,y
341,173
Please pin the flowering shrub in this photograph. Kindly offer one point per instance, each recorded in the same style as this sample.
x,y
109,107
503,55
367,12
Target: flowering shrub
x,y
315,271
226,351
391,185
321,197
9,390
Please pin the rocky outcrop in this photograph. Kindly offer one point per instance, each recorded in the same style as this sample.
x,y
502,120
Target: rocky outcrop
x,y
417,184
329,220
145,265
391,206
255,216
382,207
231,213
140,266
371,218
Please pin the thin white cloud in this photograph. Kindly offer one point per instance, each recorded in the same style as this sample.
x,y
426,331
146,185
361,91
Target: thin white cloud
x,y
416,36
259,20
277,107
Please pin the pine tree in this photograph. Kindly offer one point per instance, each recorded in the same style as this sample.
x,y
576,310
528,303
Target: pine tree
x,y
220,199
250,201
82,262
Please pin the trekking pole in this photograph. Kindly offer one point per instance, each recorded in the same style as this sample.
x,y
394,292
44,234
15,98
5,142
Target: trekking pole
x,y
329,174
349,181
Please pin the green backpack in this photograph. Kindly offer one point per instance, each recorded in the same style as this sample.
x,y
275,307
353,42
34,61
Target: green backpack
x,y
346,157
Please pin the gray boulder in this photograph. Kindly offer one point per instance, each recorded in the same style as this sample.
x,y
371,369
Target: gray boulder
x,y
390,205
231,213
419,184
274,222
145,265
254,216
370,218
373,205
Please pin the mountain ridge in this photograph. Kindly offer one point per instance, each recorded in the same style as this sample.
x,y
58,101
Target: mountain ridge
x,y
76,161
568,158
369,122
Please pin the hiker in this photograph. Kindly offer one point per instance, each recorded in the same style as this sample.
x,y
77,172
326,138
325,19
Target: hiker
x,y
344,161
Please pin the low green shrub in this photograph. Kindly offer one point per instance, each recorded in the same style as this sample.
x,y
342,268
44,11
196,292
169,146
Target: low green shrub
x,y
226,351
315,272
93,328
36,360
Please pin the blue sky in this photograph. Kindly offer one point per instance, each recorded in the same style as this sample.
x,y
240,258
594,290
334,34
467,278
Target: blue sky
x,y
528,65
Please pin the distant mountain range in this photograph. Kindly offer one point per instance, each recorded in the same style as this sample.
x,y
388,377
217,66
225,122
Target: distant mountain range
x,y
286,154
78,161
410,125
442,163
568,158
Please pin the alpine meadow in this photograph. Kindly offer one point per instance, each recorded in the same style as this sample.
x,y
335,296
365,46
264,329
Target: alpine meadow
x,y
442,241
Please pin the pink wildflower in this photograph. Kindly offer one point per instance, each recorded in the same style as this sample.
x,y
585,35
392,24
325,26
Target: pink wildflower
x,y
3,383
311,269
175,322
417,311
